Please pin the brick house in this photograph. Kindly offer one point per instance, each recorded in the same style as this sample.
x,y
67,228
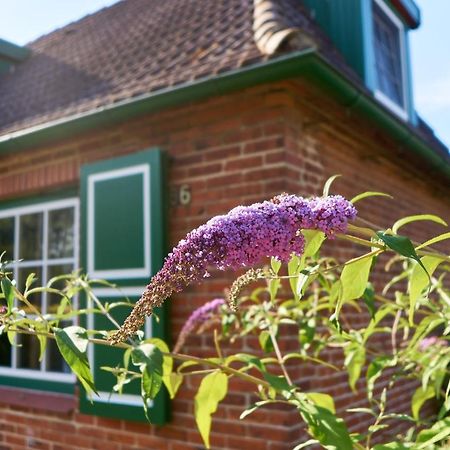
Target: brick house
x,y
192,107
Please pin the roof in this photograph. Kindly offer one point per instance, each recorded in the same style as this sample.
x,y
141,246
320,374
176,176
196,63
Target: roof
x,y
140,47
124,51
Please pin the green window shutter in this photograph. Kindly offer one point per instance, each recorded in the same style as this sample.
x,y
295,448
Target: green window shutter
x,y
122,241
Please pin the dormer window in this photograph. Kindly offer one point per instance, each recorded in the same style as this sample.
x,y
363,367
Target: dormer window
x,y
10,55
389,55
372,36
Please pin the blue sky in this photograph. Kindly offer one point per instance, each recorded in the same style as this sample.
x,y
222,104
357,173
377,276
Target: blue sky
x,y
22,21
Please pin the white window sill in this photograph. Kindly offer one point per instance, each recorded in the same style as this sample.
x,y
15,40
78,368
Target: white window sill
x,y
392,106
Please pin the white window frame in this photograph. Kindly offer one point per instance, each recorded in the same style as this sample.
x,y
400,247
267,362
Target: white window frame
x,y
44,208
128,273
401,112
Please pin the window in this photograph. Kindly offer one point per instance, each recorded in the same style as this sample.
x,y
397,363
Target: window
x,y
121,215
389,53
40,239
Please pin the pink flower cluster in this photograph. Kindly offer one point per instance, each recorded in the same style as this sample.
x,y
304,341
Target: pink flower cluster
x,y
241,238
432,341
197,318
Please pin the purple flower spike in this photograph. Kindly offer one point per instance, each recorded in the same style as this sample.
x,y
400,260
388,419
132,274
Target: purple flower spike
x,y
241,238
198,317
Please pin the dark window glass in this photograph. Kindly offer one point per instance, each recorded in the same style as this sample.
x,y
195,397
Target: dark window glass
x,y
60,233
41,240
388,56
28,352
5,351
53,300
7,238
30,242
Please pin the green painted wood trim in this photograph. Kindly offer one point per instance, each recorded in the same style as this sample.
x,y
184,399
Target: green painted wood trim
x,y
38,385
156,159
300,64
13,52
34,200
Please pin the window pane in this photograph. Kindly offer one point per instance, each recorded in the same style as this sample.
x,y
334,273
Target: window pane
x,y
388,56
28,352
7,238
30,241
55,362
5,351
53,300
60,233
35,298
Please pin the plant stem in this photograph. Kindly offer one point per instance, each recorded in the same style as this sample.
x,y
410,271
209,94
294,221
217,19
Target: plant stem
x,y
279,357
216,343
33,308
177,356
226,369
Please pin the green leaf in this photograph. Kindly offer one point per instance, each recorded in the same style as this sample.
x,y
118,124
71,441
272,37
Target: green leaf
x,y
419,398
400,244
405,220
8,292
324,426
323,400
149,359
265,341
306,444
307,331
434,240
293,270
278,382
392,446
31,278
378,317
328,183
42,338
72,342
212,390
274,285
369,194
375,370
305,279
313,241
355,357
354,279
439,431
426,325
275,264
369,299
172,383
253,408
362,410
419,280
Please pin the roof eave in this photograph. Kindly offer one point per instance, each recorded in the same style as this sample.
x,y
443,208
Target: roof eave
x,y
12,51
307,63
409,10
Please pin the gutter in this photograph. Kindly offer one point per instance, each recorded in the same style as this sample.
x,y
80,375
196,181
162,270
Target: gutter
x,y
307,64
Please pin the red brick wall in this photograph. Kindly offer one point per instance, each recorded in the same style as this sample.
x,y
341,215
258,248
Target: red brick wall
x,y
236,149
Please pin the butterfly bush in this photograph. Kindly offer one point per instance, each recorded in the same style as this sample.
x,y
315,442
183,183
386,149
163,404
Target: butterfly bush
x,y
198,317
241,238
432,341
